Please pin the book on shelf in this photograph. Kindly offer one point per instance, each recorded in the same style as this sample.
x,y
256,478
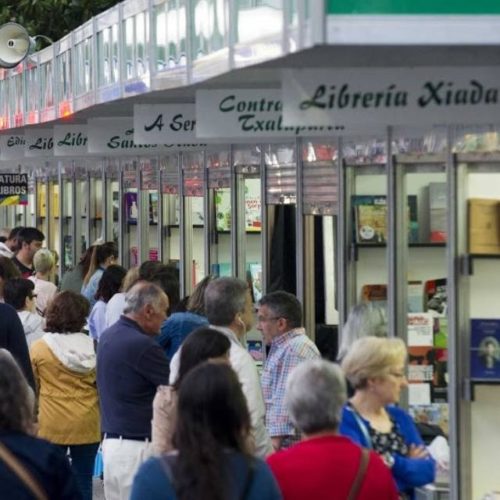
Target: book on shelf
x,y
377,293
485,348
428,365
484,226
131,209
438,212
256,350
435,302
370,218
434,414
415,296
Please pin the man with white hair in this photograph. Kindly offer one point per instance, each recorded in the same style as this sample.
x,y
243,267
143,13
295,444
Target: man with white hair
x,y
130,366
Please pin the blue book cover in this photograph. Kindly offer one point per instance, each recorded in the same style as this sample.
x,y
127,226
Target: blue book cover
x,y
485,348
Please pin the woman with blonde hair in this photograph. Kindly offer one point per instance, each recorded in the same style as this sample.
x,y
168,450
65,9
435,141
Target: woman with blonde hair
x,y
44,263
375,367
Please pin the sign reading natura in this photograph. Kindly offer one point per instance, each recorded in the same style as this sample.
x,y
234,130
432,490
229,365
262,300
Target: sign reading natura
x,y
391,96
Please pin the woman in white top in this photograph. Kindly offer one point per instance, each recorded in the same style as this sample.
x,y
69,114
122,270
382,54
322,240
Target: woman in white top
x,y
43,262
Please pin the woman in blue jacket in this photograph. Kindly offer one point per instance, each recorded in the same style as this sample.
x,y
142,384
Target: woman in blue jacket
x,y
375,367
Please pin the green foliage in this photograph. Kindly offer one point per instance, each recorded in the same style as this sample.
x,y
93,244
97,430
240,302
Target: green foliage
x,y
52,18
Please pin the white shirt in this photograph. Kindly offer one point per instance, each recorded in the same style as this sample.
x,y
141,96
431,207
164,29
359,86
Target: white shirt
x,y
114,309
45,291
244,366
5,251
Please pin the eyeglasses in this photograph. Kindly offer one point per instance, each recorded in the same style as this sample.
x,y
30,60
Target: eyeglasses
x,y
261,319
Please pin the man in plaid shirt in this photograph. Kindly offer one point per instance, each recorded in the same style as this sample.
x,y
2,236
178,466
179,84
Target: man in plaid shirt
x,y
280,321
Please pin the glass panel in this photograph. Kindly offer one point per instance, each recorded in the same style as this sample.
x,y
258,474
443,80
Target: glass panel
x,y
192,165
81,207
96,204
366,185
141,30
131,213
280,173
115,70
47,85
219,185
32,103
83,53
128,26
68,260
160,36
64,73
149,186
170,209
209,23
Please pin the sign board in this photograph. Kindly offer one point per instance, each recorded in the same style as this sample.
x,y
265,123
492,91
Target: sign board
x,y
39,143
12,147
391,96
115,137
13,189
247,113
70,140
423,7
164,123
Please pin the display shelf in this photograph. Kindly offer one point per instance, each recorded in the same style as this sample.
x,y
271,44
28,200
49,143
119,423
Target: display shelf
x,y
354,247
469,258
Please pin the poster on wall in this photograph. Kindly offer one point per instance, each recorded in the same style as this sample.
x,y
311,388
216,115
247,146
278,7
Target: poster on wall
x,y
13,189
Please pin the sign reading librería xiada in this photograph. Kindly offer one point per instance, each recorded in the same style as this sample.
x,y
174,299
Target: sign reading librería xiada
x,y
391,96
13,189
248,113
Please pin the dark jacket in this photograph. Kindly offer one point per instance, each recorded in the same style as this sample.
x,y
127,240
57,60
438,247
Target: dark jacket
x,y
46,462
13,339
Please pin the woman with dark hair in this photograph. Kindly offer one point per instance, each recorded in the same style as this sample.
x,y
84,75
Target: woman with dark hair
x,y
202,345
64,365
45,464
213,461
103,255
7,271
111,282
180,324
73,278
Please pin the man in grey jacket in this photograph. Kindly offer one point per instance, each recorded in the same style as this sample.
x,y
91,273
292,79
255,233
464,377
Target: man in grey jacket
x,y
228,308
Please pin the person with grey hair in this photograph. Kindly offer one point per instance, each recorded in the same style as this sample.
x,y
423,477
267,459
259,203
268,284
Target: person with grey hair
x,y
228,308
280,321
44,263
130,367
30,467
364,320
325,465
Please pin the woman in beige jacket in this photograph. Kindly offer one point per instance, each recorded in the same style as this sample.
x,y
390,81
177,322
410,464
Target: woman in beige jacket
x,y
201,345
64,367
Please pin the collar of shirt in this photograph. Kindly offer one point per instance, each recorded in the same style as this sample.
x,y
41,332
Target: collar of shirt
x,y
228,333
283,339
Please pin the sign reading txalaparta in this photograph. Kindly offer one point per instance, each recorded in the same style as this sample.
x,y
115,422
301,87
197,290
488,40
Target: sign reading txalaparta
x,y
391,96
248,113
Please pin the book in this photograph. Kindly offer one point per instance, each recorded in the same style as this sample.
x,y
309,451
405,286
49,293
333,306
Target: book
x,y
435,302
255,271
420,329
415,296
377,293
429,365
434,413
485,348
438,212
153,208
484,226
370,218
256,350
131,209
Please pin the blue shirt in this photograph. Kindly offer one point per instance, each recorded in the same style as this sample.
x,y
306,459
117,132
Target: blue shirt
x,y
89,290
151,481
97,319
176,328
408,472
130,366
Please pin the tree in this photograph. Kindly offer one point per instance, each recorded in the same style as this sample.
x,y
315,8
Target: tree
x,y
52,18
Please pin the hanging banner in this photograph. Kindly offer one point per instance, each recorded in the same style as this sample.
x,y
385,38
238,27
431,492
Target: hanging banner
x,y
39,143
13,189
70,140
12,147
164,123
115,137
391,96
247,113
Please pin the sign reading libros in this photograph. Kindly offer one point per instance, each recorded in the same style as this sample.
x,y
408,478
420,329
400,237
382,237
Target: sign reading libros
x,y
13,189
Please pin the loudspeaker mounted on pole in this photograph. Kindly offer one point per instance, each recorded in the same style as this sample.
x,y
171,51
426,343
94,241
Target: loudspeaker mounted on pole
x,y
15,45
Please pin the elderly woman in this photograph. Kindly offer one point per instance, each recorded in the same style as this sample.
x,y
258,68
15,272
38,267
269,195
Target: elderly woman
x,y
324,465
34,457
64,365
375,368
213,460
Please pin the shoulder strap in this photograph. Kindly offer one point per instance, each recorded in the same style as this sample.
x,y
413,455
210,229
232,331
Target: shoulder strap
x,y
360,474
22,473
361,425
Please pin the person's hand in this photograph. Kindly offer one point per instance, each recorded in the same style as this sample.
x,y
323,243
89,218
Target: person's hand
x,y
418,451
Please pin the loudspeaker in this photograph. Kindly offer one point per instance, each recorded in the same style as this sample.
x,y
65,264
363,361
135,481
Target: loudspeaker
x,y
15,44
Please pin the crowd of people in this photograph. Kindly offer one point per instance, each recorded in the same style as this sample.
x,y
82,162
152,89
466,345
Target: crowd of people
x,y
112,359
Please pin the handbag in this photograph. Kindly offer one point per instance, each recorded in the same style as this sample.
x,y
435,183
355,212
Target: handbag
x,y
15,465
360,474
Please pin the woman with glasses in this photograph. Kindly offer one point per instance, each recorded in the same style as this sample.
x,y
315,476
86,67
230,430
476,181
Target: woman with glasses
x,y
375,367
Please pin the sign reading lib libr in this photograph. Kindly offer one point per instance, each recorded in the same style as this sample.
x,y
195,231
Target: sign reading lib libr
x,y
391,96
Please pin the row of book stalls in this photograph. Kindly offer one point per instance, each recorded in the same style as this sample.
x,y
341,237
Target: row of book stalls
x,y
288,157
